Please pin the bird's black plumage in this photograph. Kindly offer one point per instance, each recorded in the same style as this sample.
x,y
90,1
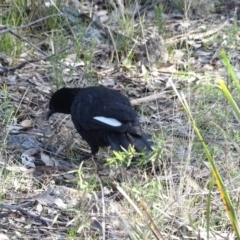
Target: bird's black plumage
x,y
102,116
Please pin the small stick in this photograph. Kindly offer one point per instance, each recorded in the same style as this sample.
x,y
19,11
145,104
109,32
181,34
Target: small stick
x,y
149,98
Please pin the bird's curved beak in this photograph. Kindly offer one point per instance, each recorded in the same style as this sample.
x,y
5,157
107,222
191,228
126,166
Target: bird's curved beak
x,y
49,113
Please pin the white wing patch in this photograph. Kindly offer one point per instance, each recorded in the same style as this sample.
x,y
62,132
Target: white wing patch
x,y
110,121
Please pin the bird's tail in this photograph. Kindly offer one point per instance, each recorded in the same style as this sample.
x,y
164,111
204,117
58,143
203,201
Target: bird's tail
x,y
124,140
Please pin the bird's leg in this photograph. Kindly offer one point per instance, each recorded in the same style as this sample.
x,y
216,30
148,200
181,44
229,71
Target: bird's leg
x,y
93,160
85,156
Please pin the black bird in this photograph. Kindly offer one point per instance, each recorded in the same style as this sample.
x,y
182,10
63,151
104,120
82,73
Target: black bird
x,y
102,116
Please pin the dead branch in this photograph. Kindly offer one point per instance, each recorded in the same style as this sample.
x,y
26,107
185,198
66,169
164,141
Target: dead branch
x,y
152,97
197,35
30,214
7,29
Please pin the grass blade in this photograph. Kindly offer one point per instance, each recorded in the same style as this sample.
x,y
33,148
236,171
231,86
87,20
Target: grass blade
x,y
230,70
223,191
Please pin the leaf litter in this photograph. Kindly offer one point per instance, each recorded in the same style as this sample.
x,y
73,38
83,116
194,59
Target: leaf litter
x,y
44,147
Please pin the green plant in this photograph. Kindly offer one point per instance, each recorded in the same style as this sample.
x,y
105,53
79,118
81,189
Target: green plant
x,y
11,46
124,157
6,108
160,22
218,179
16,13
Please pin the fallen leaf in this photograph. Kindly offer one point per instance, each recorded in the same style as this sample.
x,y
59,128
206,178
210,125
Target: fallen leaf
x,y
39,208
27,123
47,200
27,157
3,236
47,160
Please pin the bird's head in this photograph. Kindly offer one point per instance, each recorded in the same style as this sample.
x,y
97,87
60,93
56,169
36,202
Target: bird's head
x,y
61,101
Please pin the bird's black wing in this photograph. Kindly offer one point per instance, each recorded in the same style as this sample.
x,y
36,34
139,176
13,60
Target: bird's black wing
x,y
112,116
103,108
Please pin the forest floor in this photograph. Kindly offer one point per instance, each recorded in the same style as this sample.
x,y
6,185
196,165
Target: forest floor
x,y
50,187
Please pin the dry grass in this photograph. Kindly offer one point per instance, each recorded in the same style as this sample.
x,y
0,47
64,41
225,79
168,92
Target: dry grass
x,y
78,197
